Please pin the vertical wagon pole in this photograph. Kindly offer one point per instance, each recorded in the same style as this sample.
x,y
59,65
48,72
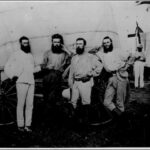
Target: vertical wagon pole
x,y
1,69
138,31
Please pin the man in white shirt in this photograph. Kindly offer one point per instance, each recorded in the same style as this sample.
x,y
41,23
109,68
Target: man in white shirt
x,y
20,67
84,67
115,63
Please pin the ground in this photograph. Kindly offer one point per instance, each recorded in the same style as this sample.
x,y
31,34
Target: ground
x,y
54,130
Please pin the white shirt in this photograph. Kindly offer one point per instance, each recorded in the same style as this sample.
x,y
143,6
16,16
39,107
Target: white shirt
x,y
21,64
54,61
114,60
84,65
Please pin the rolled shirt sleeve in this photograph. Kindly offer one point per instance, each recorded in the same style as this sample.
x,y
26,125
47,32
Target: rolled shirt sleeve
x,y
13,66
97,66
112,61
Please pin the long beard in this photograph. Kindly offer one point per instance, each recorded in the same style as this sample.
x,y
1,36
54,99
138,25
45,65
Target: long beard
x,y
26,49
139,49
56,49
110,49
79,50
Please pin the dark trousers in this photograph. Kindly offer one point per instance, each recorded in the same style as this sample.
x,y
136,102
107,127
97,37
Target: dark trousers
x,y
52,85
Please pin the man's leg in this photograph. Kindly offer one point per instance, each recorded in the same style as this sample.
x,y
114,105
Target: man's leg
x,y
110,93
74,94
123,119
51,84
21,95
29,105
141,74
136,74
121,94
85,92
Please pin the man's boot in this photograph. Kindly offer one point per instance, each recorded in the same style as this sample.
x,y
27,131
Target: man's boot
x,y
86,110
83,114
116,112
124,121
116,115
121,118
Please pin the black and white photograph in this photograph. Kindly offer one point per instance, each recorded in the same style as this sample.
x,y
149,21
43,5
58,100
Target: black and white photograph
x,y
75,74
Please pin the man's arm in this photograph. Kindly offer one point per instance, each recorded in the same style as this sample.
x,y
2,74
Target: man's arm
x,y
8,65
97,66
100,56
129,62
71,74
45,60
95,50
143,58
64,48
62,66
13,66
67,64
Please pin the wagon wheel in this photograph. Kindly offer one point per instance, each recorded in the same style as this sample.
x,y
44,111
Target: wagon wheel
x,y
8,102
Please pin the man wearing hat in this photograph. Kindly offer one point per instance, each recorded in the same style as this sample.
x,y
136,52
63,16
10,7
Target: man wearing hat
x,y
139,67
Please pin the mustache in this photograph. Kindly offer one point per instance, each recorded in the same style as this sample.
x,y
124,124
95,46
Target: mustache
x,y
108,49
26,49
140,49
56,49
79,50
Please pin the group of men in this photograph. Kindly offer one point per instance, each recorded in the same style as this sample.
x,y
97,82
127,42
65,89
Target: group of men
x,y
83,68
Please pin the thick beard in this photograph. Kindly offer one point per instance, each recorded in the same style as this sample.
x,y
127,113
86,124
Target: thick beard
x,y
26,49
79,50
56,49
110,49
139,49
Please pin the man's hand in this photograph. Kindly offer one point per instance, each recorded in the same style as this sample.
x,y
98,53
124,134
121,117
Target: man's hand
x,y
85,79
65,49
37,69
131,60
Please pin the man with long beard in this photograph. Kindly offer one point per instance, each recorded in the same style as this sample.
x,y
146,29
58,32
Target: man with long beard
x,y
54,64
84,67
116,65
21,67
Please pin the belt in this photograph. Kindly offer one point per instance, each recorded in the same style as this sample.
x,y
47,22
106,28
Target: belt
x,y
122,75
83,79
113,72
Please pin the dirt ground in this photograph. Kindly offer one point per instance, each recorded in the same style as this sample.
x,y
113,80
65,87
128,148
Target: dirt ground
x,y
54,130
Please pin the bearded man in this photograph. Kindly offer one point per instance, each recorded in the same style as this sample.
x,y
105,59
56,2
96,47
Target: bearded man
x,y
54,64
116,64
84,67
21,67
